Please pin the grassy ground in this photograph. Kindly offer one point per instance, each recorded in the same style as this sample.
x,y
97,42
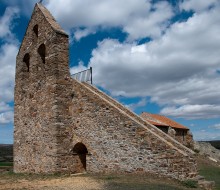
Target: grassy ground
x,y
9,180
141,182
6,164
210,171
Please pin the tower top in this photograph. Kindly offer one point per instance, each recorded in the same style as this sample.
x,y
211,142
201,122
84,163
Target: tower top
x,y
56,27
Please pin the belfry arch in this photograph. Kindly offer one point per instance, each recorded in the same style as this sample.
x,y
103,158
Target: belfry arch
x,y
26,60
42,52
35,29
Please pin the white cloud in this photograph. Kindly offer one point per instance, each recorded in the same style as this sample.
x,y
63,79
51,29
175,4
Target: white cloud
x,y
24,5
197,5
79,33
216,126
138,18
6,22
139,104
6,117
78,68
201,135
150,25
8,54
193,111
178,70
4,107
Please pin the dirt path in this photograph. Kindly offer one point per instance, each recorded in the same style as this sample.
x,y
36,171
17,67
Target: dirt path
x,y
67,183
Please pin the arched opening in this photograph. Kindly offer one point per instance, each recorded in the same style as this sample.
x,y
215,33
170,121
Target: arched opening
x,y
80,151
35,29
42,52
26,60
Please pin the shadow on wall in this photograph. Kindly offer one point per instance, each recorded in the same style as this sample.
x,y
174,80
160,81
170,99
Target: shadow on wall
x,y
80,151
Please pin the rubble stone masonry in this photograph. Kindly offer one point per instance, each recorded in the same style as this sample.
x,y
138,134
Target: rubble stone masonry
x,y
62,125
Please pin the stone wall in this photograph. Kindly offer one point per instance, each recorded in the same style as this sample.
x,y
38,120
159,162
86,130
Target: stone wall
x,y
116,142
183,136
35,142
155,130
65,126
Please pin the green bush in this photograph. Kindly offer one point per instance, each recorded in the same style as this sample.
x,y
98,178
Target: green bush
x,y
190,184
6,164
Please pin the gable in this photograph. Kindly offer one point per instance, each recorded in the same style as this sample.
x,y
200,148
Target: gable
x,y
41,25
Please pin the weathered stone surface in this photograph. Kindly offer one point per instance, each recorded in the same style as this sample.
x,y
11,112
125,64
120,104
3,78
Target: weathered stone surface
x,y
206,149
62,125
207,185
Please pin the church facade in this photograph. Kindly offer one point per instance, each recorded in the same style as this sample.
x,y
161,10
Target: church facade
x,y
66,126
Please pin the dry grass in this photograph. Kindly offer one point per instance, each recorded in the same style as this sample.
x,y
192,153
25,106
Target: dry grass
x,y
11,181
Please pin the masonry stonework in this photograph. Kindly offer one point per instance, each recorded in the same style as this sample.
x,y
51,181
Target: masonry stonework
x,y
66,126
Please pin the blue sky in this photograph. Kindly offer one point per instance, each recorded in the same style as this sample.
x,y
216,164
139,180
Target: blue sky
x,y
154,56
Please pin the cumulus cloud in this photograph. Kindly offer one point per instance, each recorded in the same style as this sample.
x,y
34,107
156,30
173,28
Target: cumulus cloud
x,y
178,70
140,104
4,107
150,25
203,135
81,33
138,18
24,5
196,5
216,126
6,22
193,111
8,52
6,117
78,68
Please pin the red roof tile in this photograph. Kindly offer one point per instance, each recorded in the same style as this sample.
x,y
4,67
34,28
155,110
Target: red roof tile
x,y
161,120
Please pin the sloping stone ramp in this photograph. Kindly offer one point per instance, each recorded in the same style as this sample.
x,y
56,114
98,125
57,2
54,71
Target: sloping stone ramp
x,y
163,155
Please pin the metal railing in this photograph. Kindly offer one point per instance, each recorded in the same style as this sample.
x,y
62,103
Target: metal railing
x,y
83,76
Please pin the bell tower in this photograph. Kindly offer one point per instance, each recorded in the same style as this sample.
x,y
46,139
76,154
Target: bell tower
x,y
42,61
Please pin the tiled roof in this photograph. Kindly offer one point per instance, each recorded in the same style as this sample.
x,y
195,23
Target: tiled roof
x,y
161,120
152,120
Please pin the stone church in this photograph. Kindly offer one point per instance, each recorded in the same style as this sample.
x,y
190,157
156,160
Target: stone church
x,y
66,126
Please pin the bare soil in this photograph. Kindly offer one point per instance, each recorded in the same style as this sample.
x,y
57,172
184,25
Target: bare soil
x,y
11,181
50,183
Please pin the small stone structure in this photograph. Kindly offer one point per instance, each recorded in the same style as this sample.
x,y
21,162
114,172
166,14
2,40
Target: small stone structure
x,y
172,128
66,126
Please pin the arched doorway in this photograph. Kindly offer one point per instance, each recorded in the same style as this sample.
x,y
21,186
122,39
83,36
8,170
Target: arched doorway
x,y
79,152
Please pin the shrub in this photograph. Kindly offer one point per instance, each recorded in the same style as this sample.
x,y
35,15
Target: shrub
x,y
190,184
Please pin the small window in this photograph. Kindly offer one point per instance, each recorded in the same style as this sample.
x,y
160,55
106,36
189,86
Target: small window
x,y
35,29
42,52
26,60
